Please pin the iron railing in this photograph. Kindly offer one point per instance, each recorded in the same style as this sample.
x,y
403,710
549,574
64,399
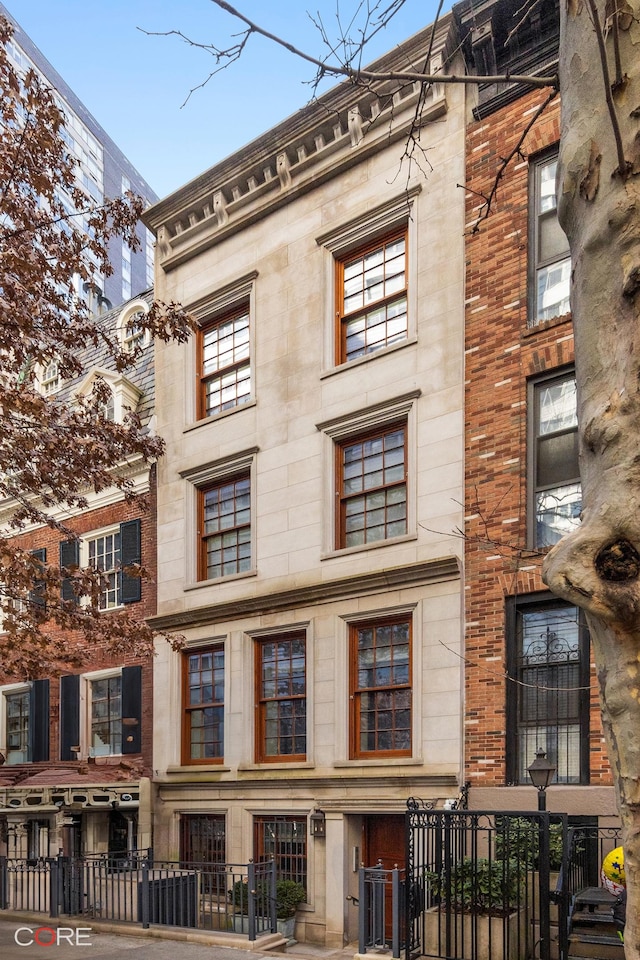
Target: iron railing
x,y
234,898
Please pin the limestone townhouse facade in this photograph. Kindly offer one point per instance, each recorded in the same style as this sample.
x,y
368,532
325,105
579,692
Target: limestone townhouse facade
x,y
310,500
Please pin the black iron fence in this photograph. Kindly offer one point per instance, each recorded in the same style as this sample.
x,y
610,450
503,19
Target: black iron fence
x,y
234,898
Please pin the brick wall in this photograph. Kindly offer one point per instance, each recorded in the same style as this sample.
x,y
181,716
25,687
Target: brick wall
x,y
97,658
501,353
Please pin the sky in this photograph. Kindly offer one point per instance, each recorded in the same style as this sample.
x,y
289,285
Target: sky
x,y
136,85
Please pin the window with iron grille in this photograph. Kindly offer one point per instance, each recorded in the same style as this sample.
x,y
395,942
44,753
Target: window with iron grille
x,y
381,688
224,361
371,289
281,698
548,692
372,487
554,469
225,524
203,701
283,840
551,262
202,838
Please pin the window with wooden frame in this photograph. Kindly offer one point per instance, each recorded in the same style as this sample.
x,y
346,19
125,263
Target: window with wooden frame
x,y
371,297
225,528
283,840
224,374
203,705
380,688
202,840
372,486
281,698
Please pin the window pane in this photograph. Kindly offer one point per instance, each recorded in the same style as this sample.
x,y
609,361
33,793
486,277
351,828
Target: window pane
x,y
381,688
204,704
557,513
374,283
553,284
376,465
282,698
225,367
226,540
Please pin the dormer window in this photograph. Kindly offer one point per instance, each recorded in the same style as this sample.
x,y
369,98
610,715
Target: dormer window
x,y
132,334
123,395
50,379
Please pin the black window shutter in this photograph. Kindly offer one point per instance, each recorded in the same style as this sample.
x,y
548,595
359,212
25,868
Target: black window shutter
x,y
131,709
130,552
39,721
36,596
69,557
69,715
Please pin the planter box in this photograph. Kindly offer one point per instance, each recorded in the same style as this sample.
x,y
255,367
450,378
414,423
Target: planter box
x,y
494,938
287,927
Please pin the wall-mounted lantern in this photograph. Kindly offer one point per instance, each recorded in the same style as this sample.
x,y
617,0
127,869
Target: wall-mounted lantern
x,y
317,824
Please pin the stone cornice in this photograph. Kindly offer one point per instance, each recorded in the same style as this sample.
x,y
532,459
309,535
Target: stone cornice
x,y
379,788
392,578
343,126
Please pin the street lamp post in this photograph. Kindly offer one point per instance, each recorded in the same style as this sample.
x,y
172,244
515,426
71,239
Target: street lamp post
x,y
542,772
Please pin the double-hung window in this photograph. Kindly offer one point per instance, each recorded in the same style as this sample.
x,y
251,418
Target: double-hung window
x,y
203,704
106,716
380,684
225,528
557,496
371,295
551,262
24,723
548,688
372,486
281,697
104,555
17,726
113,552
224,364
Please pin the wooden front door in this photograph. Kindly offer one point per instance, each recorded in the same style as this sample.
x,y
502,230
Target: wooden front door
x,y
384,841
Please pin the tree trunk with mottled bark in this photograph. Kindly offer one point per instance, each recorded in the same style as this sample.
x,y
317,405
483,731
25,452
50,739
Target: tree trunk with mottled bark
x,y
598,566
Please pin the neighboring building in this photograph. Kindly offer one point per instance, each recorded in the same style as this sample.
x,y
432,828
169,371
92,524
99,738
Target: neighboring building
x,y
530,679
76,749
312,488
103,172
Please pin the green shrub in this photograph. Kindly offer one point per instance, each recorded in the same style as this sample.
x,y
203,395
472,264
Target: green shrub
x,y
518,838
492,887
289,896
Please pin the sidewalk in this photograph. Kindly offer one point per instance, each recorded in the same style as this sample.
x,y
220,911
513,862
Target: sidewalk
x,y
27,935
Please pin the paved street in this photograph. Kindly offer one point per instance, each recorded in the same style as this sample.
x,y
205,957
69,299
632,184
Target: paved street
x,y
93,945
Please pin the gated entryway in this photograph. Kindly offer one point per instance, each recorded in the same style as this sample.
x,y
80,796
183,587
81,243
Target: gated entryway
x,y
480,884
508,885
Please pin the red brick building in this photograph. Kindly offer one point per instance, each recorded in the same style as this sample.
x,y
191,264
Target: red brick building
x,y
529,675
76,748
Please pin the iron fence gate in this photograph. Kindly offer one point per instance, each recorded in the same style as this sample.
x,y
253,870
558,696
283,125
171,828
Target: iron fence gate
x,y
486,885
